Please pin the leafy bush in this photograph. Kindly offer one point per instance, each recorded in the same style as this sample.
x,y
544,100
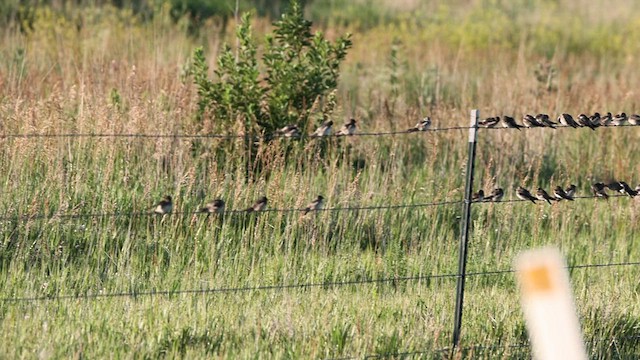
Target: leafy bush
x,y
298,69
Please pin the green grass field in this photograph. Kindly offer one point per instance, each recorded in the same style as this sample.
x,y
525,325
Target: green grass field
x,y
119,74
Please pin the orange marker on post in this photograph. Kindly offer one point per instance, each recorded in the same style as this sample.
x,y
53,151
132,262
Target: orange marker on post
x,y
548,306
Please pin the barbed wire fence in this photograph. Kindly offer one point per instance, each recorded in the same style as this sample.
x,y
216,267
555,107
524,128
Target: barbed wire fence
x,y
460,275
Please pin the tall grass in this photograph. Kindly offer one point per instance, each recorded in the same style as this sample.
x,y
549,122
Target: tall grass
x,y
117,74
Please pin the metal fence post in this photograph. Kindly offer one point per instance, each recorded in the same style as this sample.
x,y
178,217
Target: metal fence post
x,y
464,235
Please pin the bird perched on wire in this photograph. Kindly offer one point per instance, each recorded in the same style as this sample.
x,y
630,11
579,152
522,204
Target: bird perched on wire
x,y
567,120
164,206
634,119
489,122
560,194
584,120
571,191
348,128
315,205
478,196
619,119
596,119
214,207
509,122
599,190
614,186
606,119
627,190
496,195
546,121
323,130
530,121
259,205
290,131
524,194
422,125
542,195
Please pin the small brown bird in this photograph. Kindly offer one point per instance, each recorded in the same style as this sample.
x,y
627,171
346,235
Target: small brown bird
x,y
606,119
214,207
422,125
542,195
619,119
259,205
567,120
489,122
530,121
571,191
315,205
584,120
496,195
599,190
478,196
524,194
546,121
348,128
323,130
290,131
509,122
560,194
627,190
634,119
164,206
595,119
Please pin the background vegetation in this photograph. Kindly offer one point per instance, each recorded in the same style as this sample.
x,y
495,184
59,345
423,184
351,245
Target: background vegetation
x,y
112,68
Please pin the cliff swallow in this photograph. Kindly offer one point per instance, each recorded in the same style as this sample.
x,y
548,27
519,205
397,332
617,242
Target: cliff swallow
x,y
606,119
614,186
599,190
324,129
530,121
567,120
496,195
634,119
478,197
164,206
314,205
546,121
542,195
489,122
571,191
290,131
560,194
627,190
214,207
259,205
509,122
524,194
585,121
595,119
619,119
348,128
422,125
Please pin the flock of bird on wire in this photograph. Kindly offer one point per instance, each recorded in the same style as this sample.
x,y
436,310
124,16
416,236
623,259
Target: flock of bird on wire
x,y
217,206
599,190
528,121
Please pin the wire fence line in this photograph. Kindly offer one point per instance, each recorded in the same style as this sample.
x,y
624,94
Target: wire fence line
x,y
135,214
273,136
226,212
283,287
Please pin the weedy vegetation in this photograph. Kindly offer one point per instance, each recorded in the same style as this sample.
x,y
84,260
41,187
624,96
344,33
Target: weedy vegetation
x,y
107,69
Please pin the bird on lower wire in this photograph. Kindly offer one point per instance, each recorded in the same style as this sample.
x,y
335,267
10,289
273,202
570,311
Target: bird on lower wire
x,y
542,195
422,125
524,194
348,128
599,190
164,206
214,207
496,195
315,205
259,205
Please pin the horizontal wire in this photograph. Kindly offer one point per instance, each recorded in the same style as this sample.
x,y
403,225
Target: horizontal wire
x,y
285,286
200,213
218,136
240,136
277,210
